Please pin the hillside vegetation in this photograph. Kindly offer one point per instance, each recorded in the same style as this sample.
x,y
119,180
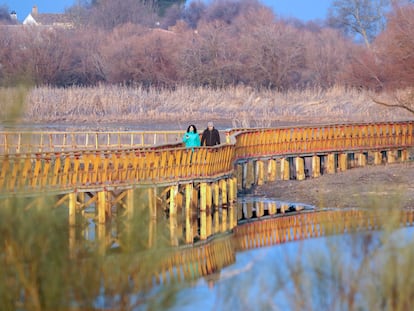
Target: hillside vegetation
x,y
231,60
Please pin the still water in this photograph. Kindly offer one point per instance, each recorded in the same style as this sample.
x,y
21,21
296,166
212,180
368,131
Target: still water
x,y
327,273
340,272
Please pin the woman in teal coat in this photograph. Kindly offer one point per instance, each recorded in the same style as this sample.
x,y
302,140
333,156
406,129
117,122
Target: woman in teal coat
x,y
191,137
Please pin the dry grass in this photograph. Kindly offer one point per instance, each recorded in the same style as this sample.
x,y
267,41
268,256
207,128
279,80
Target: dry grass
x,y
236,106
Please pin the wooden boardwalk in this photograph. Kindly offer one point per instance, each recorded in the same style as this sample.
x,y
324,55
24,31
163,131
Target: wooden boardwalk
x,y
85,163
104,168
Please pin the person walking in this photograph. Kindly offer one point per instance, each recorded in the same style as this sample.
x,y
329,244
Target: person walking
x,y
211,136
191,138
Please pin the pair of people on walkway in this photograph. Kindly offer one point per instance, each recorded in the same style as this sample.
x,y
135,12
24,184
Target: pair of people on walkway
x,y
210,136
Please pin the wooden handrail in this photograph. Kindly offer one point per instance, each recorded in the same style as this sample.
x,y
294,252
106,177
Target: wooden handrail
x,y
48,141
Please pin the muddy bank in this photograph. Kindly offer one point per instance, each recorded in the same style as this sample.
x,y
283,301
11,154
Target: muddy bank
x,y
382,185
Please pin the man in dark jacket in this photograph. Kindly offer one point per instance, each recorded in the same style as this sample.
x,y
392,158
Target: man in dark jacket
x,y
211,136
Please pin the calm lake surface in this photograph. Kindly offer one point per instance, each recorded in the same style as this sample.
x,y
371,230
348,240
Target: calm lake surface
x,y
303,275
289,276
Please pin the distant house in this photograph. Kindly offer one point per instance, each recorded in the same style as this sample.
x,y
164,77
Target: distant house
x,y
13,16
47,19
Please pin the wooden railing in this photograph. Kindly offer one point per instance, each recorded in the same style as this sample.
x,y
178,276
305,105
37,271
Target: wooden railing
x,y
323,138
112,168
48,141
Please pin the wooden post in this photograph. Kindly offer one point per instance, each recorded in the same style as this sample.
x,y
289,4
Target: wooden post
x,y
392,156
271,170
223,191
239,174
284,169
203,220
173,230
404,155
361,159
377,157
152,202
216,194
316,166
101,234
152,232
209,223
248,207
188,229
259,178
216,221
81,200
173,204
232,217
208,196
330,165
284,207
272,207
259,208
224,220
228,141
72,209
72,241
300,168
343,162
102,207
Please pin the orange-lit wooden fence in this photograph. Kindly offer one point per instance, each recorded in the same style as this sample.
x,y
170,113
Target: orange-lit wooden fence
x,y
115,168
323,138
49,141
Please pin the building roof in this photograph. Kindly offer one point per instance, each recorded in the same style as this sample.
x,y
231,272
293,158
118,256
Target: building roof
x,y
47,19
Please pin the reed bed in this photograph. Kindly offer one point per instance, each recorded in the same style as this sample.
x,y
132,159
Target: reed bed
x,y
236,106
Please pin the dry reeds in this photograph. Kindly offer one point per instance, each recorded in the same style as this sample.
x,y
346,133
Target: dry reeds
x,y
234,106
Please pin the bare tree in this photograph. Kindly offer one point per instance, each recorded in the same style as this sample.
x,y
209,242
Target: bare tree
x,y
11,57
208,57
403,99
365,18
136,55
5,17
46,54
276,55
327,53
171,16
194,13
228,10
87,61
108,14
395,47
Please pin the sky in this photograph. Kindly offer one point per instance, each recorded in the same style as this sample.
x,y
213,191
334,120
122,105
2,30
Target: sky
x,y
304,10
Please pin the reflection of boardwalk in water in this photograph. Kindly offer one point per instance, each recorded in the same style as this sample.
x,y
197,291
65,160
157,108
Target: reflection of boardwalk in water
x,y
209,257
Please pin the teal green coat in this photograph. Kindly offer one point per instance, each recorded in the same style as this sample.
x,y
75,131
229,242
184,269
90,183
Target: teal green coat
x,y
191,139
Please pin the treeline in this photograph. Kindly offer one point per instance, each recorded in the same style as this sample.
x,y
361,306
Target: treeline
x,y
226,43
